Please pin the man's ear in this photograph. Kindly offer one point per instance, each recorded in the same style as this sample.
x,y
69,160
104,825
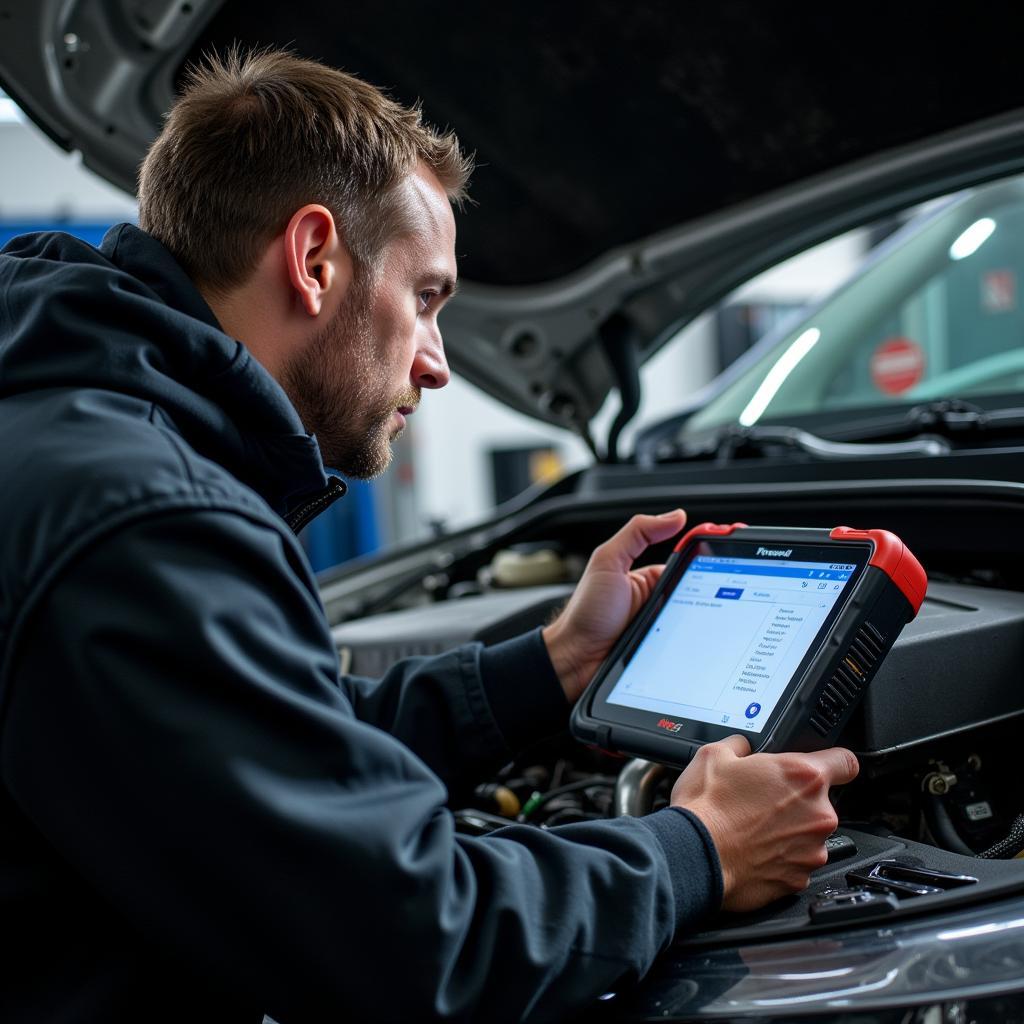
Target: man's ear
x,y
318,261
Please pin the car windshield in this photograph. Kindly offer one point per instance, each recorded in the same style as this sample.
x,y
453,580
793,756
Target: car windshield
x,y
935,314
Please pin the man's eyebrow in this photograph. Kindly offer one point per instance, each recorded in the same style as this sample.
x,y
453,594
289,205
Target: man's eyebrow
x,y
449,286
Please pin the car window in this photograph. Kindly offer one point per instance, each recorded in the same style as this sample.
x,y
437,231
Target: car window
x,y
935,313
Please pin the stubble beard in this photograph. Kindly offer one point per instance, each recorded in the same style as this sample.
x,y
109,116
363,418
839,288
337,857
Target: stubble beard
x,y
340,389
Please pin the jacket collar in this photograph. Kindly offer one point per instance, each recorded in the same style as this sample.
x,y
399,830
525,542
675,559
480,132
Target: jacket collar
x,y
243,418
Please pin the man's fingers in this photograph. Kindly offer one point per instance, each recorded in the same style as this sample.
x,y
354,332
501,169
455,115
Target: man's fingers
x,y
626,546
839,764
736,744
649,575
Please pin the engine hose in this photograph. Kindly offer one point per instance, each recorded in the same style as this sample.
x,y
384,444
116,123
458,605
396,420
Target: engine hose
x,y
1008,847
636,788
941,826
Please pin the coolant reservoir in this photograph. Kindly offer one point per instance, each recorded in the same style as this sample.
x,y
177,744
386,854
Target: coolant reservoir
x,y
529,565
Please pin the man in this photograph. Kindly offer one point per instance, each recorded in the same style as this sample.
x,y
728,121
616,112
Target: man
x,y
200,820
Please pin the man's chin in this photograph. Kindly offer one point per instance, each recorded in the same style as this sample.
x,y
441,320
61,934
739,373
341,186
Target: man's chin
x,y
370,461
367,457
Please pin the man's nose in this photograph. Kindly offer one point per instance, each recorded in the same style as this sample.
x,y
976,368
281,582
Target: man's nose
x,y
430,368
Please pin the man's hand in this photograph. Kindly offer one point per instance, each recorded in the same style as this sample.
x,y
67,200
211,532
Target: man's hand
x,y
606,598
768,814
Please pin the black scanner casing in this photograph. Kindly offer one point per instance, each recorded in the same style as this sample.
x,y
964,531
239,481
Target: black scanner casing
x,y
811,714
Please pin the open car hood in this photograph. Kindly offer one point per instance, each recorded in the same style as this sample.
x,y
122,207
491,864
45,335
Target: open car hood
x,y
637,161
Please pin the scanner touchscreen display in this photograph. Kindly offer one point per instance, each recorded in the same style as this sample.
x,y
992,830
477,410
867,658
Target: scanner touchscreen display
x,y
729,639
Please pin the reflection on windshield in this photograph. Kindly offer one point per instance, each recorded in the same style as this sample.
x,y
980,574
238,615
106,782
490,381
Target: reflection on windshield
x,y
934,314
971,240
777,375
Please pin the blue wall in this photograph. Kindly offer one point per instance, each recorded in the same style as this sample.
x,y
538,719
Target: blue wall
x,y
348,528
91,233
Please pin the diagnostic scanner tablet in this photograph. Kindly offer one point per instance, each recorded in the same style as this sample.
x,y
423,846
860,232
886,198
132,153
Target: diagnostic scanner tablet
x,y
770,632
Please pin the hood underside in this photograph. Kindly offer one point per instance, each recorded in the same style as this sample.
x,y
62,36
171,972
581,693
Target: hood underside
x,y
636,161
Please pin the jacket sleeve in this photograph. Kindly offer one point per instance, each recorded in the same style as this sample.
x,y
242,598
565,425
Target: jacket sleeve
x,y
469,710
174,729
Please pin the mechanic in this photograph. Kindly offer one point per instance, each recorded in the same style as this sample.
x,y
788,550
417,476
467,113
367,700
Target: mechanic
x,y
200,819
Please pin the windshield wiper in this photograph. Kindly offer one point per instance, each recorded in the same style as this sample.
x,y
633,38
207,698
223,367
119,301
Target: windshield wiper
x,y
736,442
953,417
926,430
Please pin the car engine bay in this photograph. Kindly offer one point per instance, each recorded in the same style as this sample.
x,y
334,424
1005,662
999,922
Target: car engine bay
x,y
935,815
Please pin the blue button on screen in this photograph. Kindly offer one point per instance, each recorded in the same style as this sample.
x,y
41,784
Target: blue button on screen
x,y
753,710
731,593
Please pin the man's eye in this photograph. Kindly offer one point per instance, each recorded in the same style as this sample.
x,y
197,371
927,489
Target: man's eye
x,y
425,300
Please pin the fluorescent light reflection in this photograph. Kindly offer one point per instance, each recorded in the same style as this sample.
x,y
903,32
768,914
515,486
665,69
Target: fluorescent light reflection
x,y
981,929
972,239
815,975
777,375
9,112
832,998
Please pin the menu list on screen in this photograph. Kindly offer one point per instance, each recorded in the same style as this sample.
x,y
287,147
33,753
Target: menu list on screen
x,y
728,640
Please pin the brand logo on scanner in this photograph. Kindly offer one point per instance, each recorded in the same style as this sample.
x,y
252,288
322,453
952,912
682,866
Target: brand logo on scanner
x,y
769,553
669,725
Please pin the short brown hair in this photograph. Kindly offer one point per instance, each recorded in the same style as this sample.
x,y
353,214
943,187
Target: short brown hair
x,y
256,135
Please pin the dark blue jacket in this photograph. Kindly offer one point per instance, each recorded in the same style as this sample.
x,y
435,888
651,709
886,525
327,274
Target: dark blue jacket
x,y
198,819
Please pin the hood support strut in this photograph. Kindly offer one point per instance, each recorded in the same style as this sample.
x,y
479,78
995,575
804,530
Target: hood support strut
x,y
620,345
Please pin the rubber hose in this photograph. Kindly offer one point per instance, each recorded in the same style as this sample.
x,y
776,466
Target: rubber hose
x,y
942,827
1008,847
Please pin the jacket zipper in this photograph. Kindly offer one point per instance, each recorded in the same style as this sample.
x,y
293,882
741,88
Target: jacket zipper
x,y
309,510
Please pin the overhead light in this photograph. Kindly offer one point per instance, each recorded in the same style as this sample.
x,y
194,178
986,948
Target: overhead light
x,y
776,376
972,239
